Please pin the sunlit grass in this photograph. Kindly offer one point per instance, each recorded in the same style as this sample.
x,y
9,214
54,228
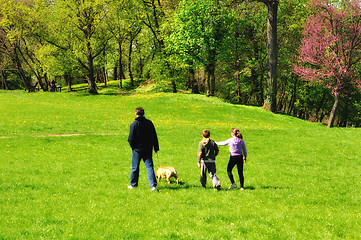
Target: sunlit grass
x,y
65,165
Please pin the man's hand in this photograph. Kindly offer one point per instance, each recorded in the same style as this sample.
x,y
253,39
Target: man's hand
x,y
199,165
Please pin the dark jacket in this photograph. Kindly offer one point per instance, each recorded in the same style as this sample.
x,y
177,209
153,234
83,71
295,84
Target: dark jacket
x,y
207,150
142,135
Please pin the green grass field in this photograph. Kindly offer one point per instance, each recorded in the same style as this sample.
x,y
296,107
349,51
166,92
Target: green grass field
x,y
65,164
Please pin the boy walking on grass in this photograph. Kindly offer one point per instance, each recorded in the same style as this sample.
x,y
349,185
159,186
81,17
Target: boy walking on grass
x,y
207,152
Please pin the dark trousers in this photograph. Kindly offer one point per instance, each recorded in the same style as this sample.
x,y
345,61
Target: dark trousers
x,y
211,168
233,161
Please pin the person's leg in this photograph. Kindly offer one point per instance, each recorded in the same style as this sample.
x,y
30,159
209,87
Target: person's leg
x,y
134,174
148,161
212,173
230,166
240,170
203,174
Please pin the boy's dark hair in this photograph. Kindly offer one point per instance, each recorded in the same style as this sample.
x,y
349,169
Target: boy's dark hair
x,y
206,133
139,111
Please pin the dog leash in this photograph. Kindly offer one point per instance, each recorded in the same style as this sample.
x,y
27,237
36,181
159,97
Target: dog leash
x,y
158,159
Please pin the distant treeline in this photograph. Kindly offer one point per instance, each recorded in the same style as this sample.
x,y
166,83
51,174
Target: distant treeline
x,y
214,47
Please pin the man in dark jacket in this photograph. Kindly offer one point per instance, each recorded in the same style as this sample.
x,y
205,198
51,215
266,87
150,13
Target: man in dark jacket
x,y
142,139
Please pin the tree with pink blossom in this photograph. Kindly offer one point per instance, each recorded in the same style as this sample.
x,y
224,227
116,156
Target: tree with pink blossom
x,y
330,51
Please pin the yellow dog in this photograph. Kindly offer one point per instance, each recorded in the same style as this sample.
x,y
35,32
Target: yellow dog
x,y
166,172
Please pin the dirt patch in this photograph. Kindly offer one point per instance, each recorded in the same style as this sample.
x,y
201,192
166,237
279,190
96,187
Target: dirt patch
x,y
63,135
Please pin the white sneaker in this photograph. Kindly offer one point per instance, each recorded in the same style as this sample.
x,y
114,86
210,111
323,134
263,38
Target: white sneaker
x,y
233,186
130,187
154,189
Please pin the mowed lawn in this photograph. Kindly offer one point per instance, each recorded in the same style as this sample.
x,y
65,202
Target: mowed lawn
x,y
65,164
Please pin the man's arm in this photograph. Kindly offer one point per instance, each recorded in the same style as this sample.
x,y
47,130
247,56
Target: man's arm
x,y
131,136
155,138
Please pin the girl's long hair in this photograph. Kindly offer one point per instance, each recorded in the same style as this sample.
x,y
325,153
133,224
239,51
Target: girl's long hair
x,y
237,133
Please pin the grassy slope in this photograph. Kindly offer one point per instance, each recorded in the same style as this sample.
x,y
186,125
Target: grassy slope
x,y
302,179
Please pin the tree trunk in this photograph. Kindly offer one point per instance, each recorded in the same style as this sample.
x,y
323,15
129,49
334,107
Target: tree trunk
x,y
104,75
141,66
68,81
3,80
130,62
333,111
39,76
23,77
103,71
211,79
271,92
343,115
174,86
293,98
38,72
208,84
120,61
92,87
46,81
237,66
193,80
238,90
21,71
115,73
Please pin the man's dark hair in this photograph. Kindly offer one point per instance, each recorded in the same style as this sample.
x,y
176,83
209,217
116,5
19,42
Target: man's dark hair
x,y
206,133
139,111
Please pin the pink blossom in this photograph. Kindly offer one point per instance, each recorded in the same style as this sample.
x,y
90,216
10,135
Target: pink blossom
x,y
331,46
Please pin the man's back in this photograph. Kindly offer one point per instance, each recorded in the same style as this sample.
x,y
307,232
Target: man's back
x,y
142,135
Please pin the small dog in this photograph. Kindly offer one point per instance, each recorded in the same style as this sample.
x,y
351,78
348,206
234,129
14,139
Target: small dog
x,y
167,172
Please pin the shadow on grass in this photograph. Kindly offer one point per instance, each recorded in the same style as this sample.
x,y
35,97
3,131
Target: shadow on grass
x,y
273,187
184,185
175,186
116,93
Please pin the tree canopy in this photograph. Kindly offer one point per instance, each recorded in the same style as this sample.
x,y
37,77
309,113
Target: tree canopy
x,y
331,49
243,51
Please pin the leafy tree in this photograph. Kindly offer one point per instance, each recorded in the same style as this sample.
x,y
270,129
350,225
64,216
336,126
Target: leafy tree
x,y
11,25
292,15
121,18
156,16
79,26
272,49
243,57
330,51
198,35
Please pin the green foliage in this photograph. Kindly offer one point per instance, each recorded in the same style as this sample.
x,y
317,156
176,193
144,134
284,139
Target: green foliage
x,y
175,35
197,31
65,168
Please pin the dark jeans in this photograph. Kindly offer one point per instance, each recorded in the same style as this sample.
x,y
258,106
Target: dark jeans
x,y
233,161
148,162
